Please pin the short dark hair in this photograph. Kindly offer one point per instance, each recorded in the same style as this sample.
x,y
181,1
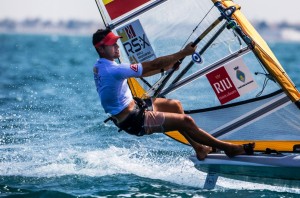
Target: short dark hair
x,y
99,35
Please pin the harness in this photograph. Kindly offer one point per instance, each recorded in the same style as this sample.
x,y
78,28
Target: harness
x,y
134,123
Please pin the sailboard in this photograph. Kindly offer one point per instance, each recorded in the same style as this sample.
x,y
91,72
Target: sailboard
x,y
233,86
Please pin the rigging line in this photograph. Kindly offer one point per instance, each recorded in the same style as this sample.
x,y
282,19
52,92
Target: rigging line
x,y
259,61
263,87
197,26
268,77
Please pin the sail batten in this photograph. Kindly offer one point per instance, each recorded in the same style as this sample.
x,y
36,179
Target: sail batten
x,y
250,117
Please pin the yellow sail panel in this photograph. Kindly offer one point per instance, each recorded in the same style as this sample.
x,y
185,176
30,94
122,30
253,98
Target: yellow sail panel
x,y
262,145
177,136
264,53
135,87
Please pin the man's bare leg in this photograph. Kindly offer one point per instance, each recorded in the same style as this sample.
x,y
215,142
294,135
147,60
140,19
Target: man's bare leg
x,y
182,122
201,150
174,106
196,136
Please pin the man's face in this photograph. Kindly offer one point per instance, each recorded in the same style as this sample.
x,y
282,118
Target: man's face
x,y
110,52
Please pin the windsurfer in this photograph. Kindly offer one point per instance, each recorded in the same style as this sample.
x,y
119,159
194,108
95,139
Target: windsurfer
x,y
132,115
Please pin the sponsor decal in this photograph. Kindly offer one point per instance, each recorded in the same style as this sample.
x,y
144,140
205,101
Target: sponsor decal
x,y
134,67
135,43
222,85
231,81
116,8
240,75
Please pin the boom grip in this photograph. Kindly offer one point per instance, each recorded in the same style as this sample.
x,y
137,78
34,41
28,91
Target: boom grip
x,y
177,64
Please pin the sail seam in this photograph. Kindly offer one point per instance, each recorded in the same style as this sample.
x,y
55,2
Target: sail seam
x,y
234,104
251,116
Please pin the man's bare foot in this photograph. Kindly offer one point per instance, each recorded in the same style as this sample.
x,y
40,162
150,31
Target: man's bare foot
x,y
240,149
202,152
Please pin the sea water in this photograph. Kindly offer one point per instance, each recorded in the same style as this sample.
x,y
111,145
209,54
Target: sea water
x,y
53,142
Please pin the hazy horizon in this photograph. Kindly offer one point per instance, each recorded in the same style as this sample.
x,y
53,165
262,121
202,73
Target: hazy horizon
x,y
57,10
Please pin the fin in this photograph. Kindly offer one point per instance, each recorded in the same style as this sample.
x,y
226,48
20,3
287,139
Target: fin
x,y
211,180
249,148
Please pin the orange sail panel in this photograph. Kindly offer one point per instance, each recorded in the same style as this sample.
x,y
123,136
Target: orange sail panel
x,y
116,8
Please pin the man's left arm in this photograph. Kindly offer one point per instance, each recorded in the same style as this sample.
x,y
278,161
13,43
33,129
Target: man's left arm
x,y
165,62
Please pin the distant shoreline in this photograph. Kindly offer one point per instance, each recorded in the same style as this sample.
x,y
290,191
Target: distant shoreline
x,y
283,31
37,26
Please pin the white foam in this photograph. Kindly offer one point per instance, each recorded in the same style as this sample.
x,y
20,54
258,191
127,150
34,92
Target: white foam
x,y
136,160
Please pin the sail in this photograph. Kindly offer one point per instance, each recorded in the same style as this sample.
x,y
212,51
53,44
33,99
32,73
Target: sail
x,y
234,87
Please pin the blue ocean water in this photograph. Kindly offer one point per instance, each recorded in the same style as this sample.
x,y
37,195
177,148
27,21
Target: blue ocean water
x,y
53,142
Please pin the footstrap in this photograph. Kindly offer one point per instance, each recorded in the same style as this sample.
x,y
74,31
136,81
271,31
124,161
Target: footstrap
x,y
249,148
270,151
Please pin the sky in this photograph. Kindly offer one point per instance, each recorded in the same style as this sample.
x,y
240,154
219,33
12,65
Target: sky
x,y
55,10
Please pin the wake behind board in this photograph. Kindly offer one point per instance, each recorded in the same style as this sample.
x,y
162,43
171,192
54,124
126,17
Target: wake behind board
x,y
278,169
